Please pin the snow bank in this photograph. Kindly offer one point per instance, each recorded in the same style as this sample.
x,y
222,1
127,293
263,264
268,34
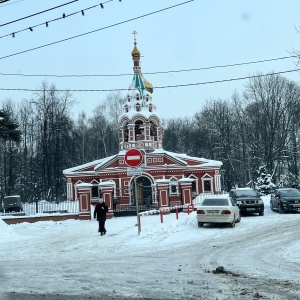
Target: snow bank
x,y
6,230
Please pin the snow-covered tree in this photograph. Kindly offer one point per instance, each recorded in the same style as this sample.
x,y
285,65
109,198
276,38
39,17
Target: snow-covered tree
x,y
264,181
289,180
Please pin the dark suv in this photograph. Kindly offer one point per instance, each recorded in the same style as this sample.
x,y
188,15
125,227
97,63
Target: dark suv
x,y
12,204
285,199
248,200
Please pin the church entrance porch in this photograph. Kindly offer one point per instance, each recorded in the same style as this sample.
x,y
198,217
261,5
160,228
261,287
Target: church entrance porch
x,y
143,191
144,198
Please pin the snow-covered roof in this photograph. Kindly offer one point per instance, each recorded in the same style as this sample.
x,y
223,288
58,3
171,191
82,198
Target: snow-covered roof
x,y
80,168
144,112
171,155
186,180
163,180
203,161
83,184
182,157
178,159
104,161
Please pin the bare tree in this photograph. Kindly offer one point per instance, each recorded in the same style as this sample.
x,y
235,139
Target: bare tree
x,y
100,128
273,105
10,137
51,110
113,105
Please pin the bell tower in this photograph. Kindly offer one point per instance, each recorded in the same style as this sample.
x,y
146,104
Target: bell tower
x,y
139,127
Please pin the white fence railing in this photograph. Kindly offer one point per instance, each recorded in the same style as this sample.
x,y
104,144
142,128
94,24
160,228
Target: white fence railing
x,y
42,207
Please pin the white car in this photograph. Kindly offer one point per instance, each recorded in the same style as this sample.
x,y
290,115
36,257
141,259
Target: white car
x,y
218,210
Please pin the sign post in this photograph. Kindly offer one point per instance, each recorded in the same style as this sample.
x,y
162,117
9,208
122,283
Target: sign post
x,y
133,158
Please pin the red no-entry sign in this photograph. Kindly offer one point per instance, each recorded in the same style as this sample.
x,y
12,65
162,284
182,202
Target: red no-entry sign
x,y
133,157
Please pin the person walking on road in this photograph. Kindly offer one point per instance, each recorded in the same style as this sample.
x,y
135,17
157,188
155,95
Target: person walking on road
x,y
100,212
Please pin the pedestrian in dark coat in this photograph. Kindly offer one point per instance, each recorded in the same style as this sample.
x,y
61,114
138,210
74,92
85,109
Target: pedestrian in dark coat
x,y
100,212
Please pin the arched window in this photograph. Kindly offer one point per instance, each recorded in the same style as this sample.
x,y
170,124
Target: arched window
x,y
138,129
138,107
137,97
153,129
126,132
207,182
207,186
173,186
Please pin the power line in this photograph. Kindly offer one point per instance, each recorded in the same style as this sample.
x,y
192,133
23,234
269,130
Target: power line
x,y
156,87
93,31
64,16
227,80
11,3
41,12
150,73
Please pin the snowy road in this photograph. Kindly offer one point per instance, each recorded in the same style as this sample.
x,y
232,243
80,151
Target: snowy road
x,y
173,260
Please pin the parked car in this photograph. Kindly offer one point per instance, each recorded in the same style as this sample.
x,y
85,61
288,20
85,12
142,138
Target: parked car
x,y
12,204
218,210
285,200
197,201
248,200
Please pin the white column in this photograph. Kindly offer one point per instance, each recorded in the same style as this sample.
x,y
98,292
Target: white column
x,y
69,191
217,180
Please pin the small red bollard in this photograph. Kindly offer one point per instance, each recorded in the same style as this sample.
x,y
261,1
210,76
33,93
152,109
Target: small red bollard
x,y
161,216
188,210
176,213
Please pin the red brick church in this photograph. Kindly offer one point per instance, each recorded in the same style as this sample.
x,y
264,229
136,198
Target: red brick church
x,y
167,178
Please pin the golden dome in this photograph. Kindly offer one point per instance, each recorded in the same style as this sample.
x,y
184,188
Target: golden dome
x,y
135,52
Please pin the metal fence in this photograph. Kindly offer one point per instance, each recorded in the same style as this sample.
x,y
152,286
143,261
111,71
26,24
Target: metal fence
x,y
42,207
130,210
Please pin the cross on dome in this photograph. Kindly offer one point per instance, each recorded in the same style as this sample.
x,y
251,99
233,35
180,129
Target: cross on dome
x,y
134,33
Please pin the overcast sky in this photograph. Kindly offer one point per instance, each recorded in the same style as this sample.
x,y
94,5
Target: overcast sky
x,y
196,34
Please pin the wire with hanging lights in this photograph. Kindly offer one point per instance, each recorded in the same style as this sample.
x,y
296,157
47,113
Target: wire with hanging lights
x,y
10,3
99,29
41,12
59,18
